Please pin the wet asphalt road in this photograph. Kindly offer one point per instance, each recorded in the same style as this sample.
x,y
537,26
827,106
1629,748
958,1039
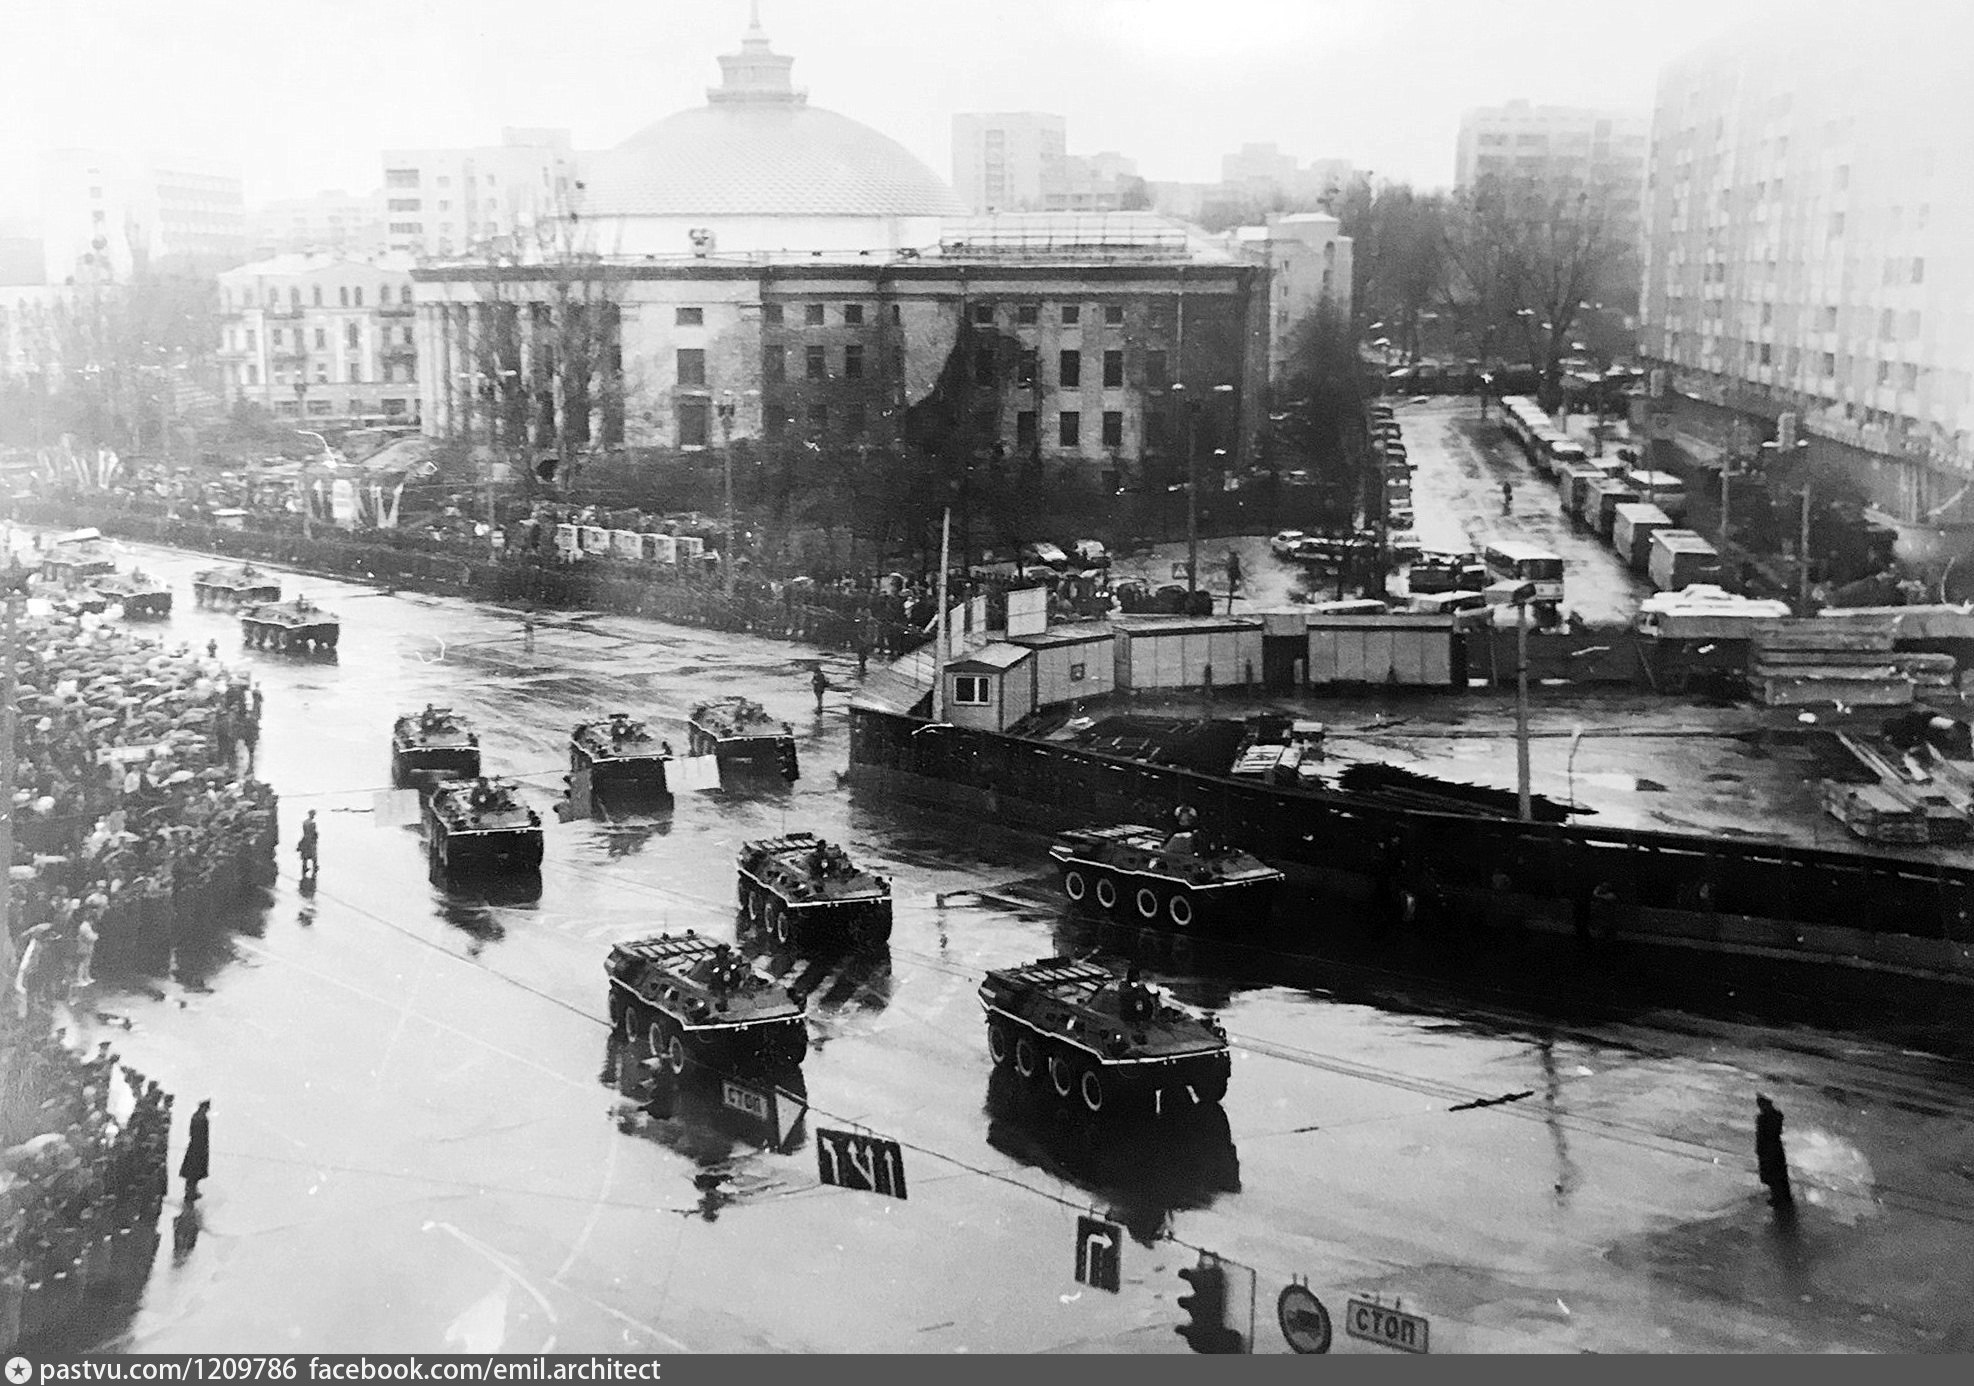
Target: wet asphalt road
x,y
421,1140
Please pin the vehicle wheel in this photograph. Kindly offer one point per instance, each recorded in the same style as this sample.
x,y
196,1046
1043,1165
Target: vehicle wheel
x,y
654,1039
1107,892
998,1048
1074,886
1062,1075
1092,1089
675,1053
1180,908
623,1015
1147,902
778,922
1026,1060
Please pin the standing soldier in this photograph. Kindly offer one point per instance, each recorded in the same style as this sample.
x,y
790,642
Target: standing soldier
x,y
307,846
1770,1158
197,1163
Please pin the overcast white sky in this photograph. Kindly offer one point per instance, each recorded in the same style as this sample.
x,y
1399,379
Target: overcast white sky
x,y
302,94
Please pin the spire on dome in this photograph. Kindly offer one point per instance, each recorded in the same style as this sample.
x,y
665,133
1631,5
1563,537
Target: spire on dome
x,y
756,73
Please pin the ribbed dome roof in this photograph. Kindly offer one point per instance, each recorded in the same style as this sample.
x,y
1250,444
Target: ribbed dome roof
x,y
757,148
766,159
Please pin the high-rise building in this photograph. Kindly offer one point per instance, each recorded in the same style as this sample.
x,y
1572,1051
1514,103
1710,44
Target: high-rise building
x,y
450,201
332,220
321,336
1307,257
1006,161
104,212
1810,251
1556,151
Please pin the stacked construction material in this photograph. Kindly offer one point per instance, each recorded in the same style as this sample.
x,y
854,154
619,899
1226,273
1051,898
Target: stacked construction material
x,y
1903,800
1846,662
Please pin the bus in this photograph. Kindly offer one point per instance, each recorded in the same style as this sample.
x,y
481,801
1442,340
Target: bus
x,y
1527,563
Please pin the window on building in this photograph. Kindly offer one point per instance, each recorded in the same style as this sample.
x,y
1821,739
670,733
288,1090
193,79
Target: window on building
x,y
812,315
1158,317
1768,314
1909,376
972,690
1888,325
853,362
1072,314
356,295
818,418
253,371
355,375
818,363
983,363
695,421
897,315
853,315
409,338
274,337
1024,428
1113,315
1918,269
983,314
394,407
1156,377
321,338
250,339
1027,366
1827,320
774,364
689,317
1911,324
315,295
1829,363
1027,314
404,295
351,337
1884,372
771,314
343,295
1069,369
1765,353
1113,428
1069,428
322,372
1113,370
400,177
855,420
692,366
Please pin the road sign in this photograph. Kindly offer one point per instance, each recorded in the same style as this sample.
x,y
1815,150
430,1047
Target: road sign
x,y
1099,1253
1377,1323
852,1160
745,1100
1305,1322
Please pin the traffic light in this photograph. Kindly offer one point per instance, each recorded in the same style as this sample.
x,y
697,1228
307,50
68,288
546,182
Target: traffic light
x,y
1206,1306
785,758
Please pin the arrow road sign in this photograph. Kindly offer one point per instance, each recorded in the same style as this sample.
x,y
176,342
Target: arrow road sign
x,y
852,1160
1099,1253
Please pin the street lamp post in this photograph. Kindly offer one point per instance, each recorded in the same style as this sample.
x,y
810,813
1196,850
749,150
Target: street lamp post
x,y
1523,595
726,408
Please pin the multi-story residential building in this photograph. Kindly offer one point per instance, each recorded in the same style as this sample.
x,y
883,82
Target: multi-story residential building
x,y
1558,151
1106,182
1308,262
1258,180
1811,252
449,201
1005,161
321,336
103,212
334,220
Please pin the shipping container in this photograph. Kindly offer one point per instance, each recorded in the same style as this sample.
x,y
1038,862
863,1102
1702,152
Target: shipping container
x,y
1632,529
1680,558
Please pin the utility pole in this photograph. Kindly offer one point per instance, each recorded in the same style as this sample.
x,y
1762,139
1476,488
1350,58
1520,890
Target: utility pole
x,y
726,408
1803,554
1523,596
15,580
939,637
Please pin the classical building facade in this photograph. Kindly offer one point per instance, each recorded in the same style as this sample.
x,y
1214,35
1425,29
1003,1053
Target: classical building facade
x,y
321,337
759,269
1810,251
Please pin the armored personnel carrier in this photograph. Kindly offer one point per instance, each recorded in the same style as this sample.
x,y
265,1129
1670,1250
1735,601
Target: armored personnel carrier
x,y
142,597
803,891
1103,1039
433,745
740,732
228,589
296,626
77,563
1181,879
481,825
620,754
690,1001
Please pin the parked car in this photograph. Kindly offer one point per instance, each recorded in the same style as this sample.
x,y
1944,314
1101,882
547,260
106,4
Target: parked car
x,y
1044,553
1403,543
1283,544
1090,553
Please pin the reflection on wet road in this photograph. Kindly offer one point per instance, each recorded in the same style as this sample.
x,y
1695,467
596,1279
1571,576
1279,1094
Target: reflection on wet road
x,y
425,1137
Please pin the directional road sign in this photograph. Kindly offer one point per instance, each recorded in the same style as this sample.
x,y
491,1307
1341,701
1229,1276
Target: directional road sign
x,y
1099,1252
853,1160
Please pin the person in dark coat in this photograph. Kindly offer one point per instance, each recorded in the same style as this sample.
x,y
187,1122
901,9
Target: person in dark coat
x,y
307,845
1770,1158
197,1163
820,683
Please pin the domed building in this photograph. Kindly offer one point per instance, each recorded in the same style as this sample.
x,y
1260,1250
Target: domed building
x,y
758,169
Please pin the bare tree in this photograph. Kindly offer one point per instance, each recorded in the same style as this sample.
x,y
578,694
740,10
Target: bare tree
x,y
1529,257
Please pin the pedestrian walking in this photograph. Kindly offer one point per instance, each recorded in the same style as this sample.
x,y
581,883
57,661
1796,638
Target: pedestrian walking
x,y
820,683
197,1163
307,846
1507,498
1770,1158
212,649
